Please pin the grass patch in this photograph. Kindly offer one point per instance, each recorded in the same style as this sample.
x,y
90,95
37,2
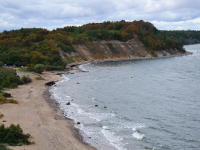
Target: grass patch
x,y
4,100
24,70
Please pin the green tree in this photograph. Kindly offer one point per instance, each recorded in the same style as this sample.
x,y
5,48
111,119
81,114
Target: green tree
x,y
13,135
1,63
39,68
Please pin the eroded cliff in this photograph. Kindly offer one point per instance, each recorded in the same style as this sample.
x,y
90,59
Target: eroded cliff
x,y
109,50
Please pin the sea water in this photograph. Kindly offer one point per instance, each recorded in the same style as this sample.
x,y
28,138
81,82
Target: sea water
x,y
136,105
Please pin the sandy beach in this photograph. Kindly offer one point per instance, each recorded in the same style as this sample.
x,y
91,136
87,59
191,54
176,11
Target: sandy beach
x,y
40,116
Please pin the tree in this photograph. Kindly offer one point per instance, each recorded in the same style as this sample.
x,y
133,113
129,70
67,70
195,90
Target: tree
x,y
39,68
13,135
1,63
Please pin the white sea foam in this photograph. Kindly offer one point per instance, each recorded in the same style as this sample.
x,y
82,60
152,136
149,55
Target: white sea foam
x,y
138,126
138,135
96,116
133,126
82,67
67,96
113,138
79,110
65,78
99,116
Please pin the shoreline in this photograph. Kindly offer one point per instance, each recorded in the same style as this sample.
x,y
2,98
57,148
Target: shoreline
x,y
59,115
73,66
39,115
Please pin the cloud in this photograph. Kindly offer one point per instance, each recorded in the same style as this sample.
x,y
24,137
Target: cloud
x,y
58,13
192,24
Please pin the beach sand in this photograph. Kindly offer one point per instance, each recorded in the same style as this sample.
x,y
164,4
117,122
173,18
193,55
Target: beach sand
x,y
40,116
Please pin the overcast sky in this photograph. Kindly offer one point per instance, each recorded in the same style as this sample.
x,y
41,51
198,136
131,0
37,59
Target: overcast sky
x,y
52,14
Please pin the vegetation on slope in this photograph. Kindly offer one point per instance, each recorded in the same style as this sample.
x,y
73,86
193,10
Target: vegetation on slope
x,y
151,37
185,37
28,47
31,46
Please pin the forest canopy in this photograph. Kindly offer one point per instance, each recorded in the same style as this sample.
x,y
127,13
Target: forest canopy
x,y
31,46
185,37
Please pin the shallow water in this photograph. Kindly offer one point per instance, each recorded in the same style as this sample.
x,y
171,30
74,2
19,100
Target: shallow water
x,y
143,104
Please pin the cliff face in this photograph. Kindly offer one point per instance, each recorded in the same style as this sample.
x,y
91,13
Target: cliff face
x,y
107,50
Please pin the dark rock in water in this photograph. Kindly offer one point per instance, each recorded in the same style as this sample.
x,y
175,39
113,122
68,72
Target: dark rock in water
x,y
59,73
78,122
105,107
96,105
68,103
78,83
50,83
73,66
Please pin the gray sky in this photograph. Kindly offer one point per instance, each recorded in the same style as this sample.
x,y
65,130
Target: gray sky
x,y
51,14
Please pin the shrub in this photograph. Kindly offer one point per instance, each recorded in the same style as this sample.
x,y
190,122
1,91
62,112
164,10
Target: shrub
x,y
39,78
13,135
3,147
13,101
1,116
4,100
49,68
30,68
25,79
39,68
59,68
8,78
1,63
6,94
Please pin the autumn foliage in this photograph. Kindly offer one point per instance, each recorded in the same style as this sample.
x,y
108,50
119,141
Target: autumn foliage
x,y
31,46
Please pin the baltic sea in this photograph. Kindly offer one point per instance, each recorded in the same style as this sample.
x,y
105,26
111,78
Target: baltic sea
x,y
136,105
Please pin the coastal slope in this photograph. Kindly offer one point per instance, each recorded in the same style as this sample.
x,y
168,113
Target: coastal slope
x,y
117,50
